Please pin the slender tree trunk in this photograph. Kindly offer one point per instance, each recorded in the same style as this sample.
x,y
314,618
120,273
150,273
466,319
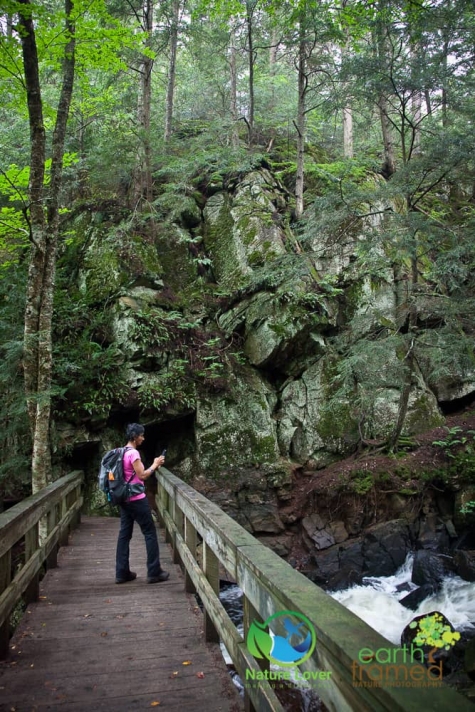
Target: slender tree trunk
x,y
273,66
37,215
388,146
347,110
38,351
348,132
445,64
233,89
416,56
409,357
300,125
170,98
143,189
250,46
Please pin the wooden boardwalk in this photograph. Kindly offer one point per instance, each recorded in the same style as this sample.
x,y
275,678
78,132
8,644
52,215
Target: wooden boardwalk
x,y
89,644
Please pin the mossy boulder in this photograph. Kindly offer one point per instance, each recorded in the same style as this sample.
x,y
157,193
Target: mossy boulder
x,y
236,428
243,230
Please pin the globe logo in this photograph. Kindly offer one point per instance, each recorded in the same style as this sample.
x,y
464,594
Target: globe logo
x,y
292,647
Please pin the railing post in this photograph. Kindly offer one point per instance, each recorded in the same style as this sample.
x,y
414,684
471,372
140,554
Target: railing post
x,y
76,495
178,518
64,534
5,578
51,521
32,591
166,507
191,542
249,615
211,571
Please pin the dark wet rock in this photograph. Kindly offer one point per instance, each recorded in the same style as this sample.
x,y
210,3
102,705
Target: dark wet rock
x,y
344,578
430,568
385,547
415,598
469,659
323,539
465,564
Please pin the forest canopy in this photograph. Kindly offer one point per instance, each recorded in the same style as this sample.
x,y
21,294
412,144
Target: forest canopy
x,y
141,110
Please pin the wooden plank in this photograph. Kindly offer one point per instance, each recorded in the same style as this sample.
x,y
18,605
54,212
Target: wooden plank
x,y
211,571
270,585
89,644
5,578
31,547
263,696
12,594
191,541
220,532
15,522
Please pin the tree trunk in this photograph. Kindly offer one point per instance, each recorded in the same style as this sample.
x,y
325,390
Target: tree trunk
x,y
348,132
170,98
347,110
143,182
250,46
409,358
38,351
300,125
389,166
233,89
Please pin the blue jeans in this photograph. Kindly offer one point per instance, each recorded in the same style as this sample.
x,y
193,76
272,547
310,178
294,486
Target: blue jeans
x,y
130,512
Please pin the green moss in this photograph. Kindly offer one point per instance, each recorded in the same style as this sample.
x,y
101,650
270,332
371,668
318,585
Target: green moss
x,y
262,448
256,258
353,294
423,415
221,246
337,420
362,482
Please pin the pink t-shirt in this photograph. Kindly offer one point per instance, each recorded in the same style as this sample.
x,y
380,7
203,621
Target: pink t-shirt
x,y
131,456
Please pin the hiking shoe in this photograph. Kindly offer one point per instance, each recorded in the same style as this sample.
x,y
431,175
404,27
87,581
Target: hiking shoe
x,y
162,576
131,576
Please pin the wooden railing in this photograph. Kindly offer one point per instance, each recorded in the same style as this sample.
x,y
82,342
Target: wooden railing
x,y
270,585
53,510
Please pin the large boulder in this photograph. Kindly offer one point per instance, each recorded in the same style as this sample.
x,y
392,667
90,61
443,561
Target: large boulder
x,y
430,568
385,548
243,230
236,428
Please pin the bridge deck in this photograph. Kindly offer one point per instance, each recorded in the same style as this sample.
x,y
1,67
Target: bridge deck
x,y
89,644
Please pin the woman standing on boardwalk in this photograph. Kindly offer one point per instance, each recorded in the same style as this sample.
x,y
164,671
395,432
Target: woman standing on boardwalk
x,y
137,509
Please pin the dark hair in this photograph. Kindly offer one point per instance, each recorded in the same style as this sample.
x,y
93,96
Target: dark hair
x,y
134,430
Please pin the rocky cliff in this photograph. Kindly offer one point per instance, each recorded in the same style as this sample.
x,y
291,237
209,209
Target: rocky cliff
x,y
258,355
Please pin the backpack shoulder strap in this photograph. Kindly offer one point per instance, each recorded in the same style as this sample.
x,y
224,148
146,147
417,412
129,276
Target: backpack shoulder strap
x,y
127,447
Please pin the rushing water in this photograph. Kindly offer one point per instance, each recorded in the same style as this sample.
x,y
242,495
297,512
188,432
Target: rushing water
x,y
377,603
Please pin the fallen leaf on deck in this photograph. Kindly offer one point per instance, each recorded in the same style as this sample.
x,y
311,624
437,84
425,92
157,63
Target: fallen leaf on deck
x,y
103,635
200,675
155,703
187,662
174,674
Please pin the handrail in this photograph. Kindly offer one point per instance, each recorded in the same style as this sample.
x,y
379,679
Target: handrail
x,y
53,511
271,585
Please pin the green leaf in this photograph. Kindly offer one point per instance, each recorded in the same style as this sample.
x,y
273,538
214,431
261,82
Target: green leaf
x,y
259,642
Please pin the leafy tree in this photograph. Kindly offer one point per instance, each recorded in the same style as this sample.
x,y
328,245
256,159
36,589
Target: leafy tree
x,y
43,221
